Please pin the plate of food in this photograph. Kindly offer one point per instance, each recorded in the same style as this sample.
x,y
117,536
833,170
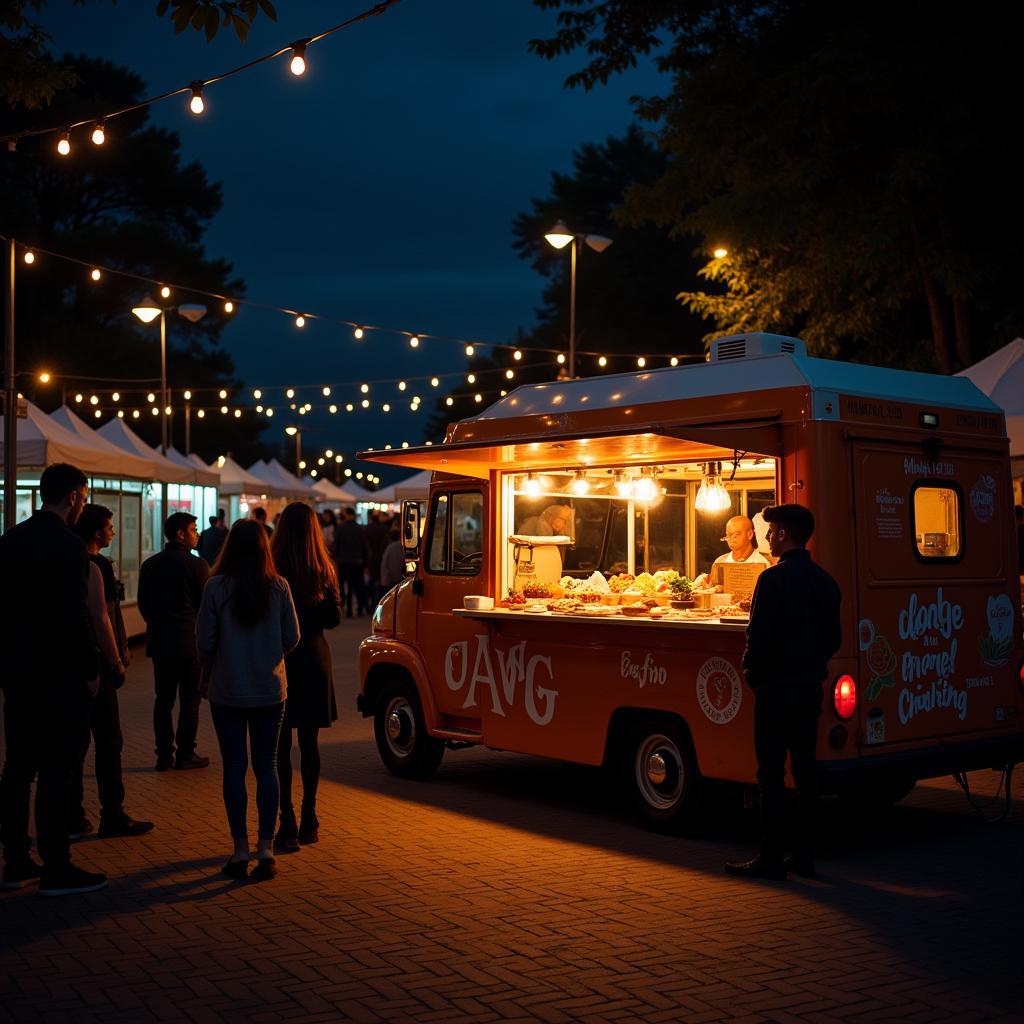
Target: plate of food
x,y
636,611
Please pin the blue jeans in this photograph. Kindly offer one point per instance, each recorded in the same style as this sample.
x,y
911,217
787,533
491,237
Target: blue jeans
x,y
264,727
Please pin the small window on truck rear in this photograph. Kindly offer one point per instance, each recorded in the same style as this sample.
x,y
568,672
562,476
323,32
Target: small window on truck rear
x,y
938,533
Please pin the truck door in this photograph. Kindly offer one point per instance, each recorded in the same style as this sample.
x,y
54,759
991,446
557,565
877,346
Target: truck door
x,y
937,598
454,565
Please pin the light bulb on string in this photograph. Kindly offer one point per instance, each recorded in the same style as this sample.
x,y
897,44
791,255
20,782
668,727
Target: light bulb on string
x,y
97,414
256,393
135,414
325,391
349,407
99,135
95,273
223,410
154,410
78,397
601,361
470,378
641,362
196,103
93,400
238,414
222,393
712,495
509,374
469,350
365,403
229,306
332,409
259,408
64,143
290,393
358,334
300,321
29,257
385,407
270,413
151,397
434,382
402,385
414,342
364,388
560,359
298,61
120,414
673,361
449,401
517,355
165,292
116,396
478,397
201,413
645,489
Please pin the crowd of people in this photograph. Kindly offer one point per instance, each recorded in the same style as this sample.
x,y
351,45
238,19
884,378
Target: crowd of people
x,y
241,626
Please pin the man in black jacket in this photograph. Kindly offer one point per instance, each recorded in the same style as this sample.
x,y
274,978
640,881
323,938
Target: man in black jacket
x,y
794,630
45,627
171,586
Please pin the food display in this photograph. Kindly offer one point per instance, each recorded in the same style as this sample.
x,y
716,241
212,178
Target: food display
x,y
620,582
537,590
594,584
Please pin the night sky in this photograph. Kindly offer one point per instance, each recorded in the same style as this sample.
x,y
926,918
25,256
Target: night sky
x,y
379,187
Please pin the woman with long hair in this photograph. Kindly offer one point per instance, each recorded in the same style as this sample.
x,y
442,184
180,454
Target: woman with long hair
x,y
246,626
302,558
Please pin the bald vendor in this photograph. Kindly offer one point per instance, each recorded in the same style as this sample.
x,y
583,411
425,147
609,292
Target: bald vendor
x,y
739,535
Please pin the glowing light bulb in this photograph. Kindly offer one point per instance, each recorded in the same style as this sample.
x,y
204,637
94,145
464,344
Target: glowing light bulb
x,y
332,409
224,410
348,472
120,414
99,135
151,397
165,292
517,355
602,361
196,103
641,362
167,410
95,273
325,391
290,393
64,145
298,62
402,385
259,408
414,342
469,350
358,334
116,396
154,410
478,397
44,378
509,374
560,359
645,489
136,414
471,378
673,361
93,400
97,414
256,393
229,306
238,414
300,321
29,257
222,393
338,458
449,401
364,388
349,407
532,486
201,413
580,484
434,382
385,407
365,403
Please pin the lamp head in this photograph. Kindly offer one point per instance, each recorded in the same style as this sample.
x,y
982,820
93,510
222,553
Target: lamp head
x,y
291,431
598,242
192,313
559,236
147,310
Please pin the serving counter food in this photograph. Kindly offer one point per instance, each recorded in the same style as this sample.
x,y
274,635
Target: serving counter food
x,y
664,622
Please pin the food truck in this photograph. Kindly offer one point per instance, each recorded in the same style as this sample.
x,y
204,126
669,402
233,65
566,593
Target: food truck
x,y
566,602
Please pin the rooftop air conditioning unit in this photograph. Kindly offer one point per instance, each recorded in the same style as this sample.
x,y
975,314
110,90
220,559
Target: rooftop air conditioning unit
x,y
748,346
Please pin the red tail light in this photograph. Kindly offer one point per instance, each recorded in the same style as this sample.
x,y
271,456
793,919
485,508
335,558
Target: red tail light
x,y
844,697
1020,677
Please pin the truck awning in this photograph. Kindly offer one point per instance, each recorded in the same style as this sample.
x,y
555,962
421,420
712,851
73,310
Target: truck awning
x,y
676,442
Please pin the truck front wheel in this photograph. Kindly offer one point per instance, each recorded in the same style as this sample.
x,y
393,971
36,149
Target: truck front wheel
x,y
659,770
405,747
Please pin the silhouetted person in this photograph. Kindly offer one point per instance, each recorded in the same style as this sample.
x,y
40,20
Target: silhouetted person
x,y
170,590
246,626
377,536
95,527
302,558
260,515
794,630
351,552
49,684
392,563
211,540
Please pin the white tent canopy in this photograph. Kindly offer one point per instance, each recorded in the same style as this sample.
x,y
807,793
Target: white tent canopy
x,y
205,476
42,441
236,480
413,488
1001,377
118,433
278,481
135,467
329,491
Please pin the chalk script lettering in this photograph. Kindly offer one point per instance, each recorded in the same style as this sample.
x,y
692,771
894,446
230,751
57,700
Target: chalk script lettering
x,y
941,616
643,672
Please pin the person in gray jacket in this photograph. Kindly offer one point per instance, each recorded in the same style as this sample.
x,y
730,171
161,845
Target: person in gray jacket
x,y
246,626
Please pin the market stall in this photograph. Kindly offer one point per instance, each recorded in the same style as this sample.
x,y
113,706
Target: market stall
x,y
331,495
242,490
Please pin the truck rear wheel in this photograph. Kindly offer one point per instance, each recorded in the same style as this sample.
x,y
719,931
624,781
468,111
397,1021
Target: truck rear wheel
x,y
659,771
405,747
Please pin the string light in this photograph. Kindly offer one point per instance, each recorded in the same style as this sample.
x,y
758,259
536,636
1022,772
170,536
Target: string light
x,y
449,401
402,385
165,292
385,407
154,410
602,361
196,104
44,378
64,144
358,334
116,396
120,414
300,321
188,396
469,351
470,378
434,382
561,359
517,355
222,393
97,414
298,61
151,397
333,409
201,413
95,273
99,135
414,342
349,407
256,393
29,257
325,391
364,388
673,361
238,414
93,400
365,403
478,397
641,362
224,410
136,414
290,393
509,374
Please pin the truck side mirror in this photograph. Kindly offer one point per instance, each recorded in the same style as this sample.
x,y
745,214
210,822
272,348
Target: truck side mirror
x,y
411,529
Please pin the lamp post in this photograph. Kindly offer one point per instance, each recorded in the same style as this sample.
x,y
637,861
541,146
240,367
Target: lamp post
x,y
559,237
147,311
296,432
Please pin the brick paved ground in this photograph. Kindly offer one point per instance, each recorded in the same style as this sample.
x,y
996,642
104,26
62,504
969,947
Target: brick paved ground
x,y
512,889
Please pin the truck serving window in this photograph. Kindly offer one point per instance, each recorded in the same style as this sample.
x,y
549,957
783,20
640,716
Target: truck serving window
x,y
937,524
456,534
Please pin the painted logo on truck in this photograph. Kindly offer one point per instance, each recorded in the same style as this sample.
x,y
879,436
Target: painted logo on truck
x,y
719,690
997,645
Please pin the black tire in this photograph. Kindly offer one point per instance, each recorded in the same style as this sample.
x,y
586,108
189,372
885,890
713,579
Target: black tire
x,y
401,733
658,770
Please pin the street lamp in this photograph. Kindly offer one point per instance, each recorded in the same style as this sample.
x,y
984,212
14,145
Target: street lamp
x,y
559,237
296,432
147,311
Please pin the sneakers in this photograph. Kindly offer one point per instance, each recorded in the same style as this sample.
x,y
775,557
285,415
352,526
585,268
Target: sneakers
x,y
192,761
164,763
71,881
759,867
266,869
309,829
18,875
122,825
81,828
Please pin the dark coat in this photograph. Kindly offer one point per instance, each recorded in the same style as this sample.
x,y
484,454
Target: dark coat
x,y
794,625
211,540
350,543
311,698
44,621
170,591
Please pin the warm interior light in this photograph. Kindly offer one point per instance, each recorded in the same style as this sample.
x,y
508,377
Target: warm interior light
x,y
99,135
645,489
580,484
623,486
298,63
712,495
64,145
196,104
559,236
532,486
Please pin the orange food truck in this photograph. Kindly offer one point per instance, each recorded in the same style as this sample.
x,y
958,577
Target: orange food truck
x,y
569,599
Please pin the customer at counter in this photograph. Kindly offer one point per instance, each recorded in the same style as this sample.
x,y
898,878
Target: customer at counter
x,y
739,535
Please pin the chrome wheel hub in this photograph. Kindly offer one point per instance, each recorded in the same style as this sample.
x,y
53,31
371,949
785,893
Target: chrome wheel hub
x,y
658,769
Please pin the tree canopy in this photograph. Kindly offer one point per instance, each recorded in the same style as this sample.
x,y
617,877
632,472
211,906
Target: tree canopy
x,y
29,77
134,206
857,161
